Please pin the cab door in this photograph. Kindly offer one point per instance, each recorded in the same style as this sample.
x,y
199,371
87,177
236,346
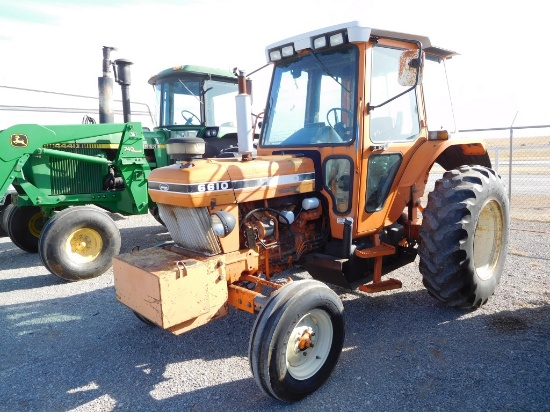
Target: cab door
x,y
392,133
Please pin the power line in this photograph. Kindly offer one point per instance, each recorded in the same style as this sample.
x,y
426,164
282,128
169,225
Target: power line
x,y
62,110
65,109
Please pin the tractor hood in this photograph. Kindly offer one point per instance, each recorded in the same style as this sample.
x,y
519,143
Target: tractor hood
x,y
211,182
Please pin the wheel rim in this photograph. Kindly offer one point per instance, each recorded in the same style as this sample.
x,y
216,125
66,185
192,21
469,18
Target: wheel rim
x,y
488,239
35,224
309,344
84,245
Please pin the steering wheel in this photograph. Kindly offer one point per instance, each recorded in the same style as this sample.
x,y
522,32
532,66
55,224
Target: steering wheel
x,y
336,121
189,119
339,126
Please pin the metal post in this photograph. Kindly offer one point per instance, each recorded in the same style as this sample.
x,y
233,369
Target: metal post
x,y
510,161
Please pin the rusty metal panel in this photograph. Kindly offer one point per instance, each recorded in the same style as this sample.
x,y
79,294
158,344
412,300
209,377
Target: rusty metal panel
x,y
171,289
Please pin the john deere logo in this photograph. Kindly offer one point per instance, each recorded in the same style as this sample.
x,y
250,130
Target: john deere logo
x,y
19,140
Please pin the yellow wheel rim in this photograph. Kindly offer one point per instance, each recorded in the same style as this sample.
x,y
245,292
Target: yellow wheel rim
x,y
488,238
84,245
36,224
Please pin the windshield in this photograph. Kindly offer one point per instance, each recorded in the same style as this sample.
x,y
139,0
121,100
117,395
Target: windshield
x,y
313,100
181,102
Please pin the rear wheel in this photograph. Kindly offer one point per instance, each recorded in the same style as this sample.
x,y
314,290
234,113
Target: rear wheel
x,y
296,340
24,225
4,212
79,243
464,236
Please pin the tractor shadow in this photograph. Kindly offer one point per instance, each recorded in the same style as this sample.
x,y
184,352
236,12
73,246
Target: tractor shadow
x,y
402,351
143,237
150,234
411,349
87,346
20,270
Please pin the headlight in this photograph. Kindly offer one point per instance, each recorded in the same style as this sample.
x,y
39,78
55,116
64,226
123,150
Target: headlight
x,y
223,223
287,50
275,55
337,39
319,42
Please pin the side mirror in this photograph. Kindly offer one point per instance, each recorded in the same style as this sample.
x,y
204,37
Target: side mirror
x,y
409,65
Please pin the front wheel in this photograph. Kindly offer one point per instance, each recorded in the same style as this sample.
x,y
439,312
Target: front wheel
x,y
296,340
79,243
464,237
144,319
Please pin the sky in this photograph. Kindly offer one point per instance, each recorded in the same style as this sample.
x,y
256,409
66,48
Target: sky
x,y
499,78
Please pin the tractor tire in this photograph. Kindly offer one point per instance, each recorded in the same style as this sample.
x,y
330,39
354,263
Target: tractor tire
x,y
4,212
464,237
144,319
24,225
79,243
155,213
296,340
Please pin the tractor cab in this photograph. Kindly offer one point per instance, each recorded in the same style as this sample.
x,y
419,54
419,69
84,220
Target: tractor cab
x,y
348,97
197,102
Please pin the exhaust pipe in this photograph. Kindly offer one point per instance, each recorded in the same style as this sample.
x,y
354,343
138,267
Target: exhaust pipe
x,y
244,119
105,86
122,77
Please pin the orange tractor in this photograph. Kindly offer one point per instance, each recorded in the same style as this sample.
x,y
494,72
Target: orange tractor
x,y
336,186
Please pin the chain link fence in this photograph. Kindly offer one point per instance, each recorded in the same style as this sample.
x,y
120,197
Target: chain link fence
x,y
524,166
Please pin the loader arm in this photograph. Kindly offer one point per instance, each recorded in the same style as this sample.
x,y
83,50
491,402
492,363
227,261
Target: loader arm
x,y
21,143
9,171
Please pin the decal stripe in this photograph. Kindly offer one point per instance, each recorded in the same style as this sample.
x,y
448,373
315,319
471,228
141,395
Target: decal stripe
x,y
208,187
81,145
273,181
70,145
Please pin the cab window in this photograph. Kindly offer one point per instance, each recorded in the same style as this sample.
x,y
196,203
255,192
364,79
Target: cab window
x,y
397,120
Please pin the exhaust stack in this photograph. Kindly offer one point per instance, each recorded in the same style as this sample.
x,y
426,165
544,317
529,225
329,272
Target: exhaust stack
x,y
244,119
105,86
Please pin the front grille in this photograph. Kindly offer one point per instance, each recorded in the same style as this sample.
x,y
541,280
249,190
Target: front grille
x,y
70,176
190,228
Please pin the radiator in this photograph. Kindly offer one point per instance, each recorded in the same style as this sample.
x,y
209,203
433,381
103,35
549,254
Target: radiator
x,y
68,176
190,228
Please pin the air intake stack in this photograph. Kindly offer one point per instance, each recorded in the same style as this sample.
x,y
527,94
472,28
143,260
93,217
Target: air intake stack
x,y
122,77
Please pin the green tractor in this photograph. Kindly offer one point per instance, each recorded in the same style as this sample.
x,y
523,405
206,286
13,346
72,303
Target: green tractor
x,y
59,182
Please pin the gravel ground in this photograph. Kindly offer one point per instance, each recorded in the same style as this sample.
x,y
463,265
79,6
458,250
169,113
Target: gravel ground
x,y
73,347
